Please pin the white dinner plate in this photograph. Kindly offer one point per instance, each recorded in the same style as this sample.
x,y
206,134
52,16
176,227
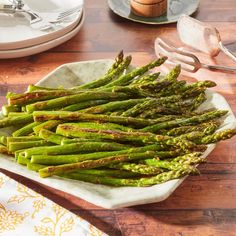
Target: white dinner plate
x,y
72,74
16,32
22,52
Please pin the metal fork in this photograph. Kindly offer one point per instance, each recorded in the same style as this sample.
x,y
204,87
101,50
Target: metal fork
x,y
51,20
59,16
188,61
18,6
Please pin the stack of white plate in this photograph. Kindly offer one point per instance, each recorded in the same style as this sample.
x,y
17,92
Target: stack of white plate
x,y
18,38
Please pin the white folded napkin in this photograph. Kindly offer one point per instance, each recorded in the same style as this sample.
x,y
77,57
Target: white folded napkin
x,y
25,212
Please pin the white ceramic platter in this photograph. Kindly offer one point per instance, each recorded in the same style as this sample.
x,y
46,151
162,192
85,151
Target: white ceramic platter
x,y
72,74
17,33
22,52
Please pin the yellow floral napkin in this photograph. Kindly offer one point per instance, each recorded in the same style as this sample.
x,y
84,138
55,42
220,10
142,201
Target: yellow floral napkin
x,y
23,211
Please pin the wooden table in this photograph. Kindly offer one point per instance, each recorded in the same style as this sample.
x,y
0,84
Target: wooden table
x,y
202,205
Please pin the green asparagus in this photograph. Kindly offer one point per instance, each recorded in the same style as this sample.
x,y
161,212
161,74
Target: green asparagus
x,y
51,136
109,76
186,121
78,116
25,130
60,169
137,168
19,120
73,158
72,99
49,125
142,182
125,79
74,148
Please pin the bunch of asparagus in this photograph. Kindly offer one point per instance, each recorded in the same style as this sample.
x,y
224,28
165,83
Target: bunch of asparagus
x,y
124,129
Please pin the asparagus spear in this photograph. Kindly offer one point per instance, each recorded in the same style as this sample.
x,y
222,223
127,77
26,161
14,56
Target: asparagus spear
x,y
118,60
93,172
78,116
132,91
108,172
27,98
142,182
199,84
19,120
157,86
3,149
192,136
152,89
137,168
168,165
90,164
207,128
83,105
25,130
176,163
78,140
22,160
104,126
51,136
15,114
216,137
14,146
115,113
172,89
10,108
163,110
75,130
186,121
125,79
198,101
34,167
113,106
22,139
145,79
9,94
109,76
173,74
190,158
19,153
32,88
192,92
49,125
3,140
73,158
148,104
74,148
72,99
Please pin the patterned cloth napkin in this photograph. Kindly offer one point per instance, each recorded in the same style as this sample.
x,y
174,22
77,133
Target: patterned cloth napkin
x,y
23,211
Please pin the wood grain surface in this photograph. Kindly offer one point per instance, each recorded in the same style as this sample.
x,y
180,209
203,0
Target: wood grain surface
x,y
203,205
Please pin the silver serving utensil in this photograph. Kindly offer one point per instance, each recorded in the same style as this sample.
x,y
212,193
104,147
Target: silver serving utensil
x,y
201,36
18,6
188,61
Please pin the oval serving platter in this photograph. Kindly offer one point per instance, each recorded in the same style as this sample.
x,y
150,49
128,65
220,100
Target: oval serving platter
x,y
72,74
